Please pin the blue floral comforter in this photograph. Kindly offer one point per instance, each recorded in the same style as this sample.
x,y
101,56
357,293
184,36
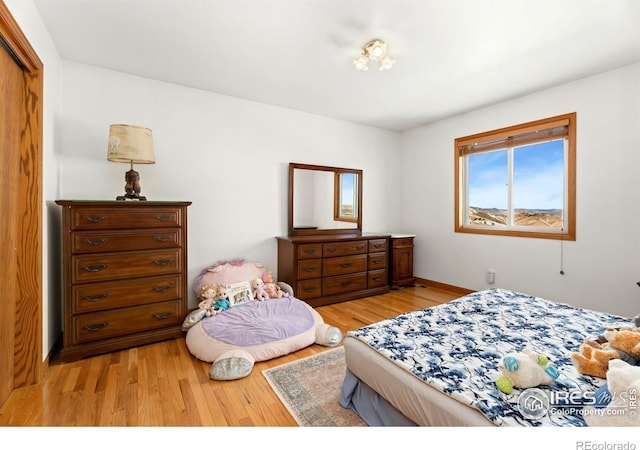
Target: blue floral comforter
x,y
456,347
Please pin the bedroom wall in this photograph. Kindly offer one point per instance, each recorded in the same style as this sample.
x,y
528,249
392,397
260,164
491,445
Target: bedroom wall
x,y
603,265
29,20
228,156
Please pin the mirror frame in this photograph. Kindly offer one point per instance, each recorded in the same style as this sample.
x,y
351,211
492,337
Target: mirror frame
x,y
337,171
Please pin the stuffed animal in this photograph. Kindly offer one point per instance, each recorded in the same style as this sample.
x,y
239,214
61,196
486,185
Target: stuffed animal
x,y
524,370
623,382
272,289
621,344
208,296
222,303
258,289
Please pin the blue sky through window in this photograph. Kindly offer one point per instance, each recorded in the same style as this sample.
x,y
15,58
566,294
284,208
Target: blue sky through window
x,y
538,177
347,180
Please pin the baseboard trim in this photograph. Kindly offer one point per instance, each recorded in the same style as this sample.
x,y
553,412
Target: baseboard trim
x,y
439,285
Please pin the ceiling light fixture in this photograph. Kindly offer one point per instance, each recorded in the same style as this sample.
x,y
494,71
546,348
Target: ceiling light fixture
x,y
375,51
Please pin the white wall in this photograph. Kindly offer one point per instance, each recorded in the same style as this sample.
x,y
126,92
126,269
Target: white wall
x,y
603,264
228,156
29,21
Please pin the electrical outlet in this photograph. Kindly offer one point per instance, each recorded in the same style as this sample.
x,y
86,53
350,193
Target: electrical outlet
x,y
491,276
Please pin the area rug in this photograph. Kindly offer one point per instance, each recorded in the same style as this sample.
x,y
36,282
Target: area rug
x,y
310,388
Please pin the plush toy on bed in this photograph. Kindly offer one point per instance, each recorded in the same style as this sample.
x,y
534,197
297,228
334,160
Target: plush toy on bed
x,y
524,370
208,296
622,381
272,289
259,292
213,299
593,358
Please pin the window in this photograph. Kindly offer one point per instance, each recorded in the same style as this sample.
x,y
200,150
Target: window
x,y
518,181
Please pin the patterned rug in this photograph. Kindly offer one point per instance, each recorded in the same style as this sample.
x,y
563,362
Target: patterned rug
x,y
310,388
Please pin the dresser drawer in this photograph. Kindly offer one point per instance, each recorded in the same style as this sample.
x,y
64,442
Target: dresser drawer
x,y
117,294
112,266
309,289
344,283
118,240
377,261
402,242
344,248
96,218
377,245
309,268
377,278
306,251
124,321
344,265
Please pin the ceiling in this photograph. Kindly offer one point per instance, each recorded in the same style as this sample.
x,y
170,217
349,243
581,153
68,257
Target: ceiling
x,y
452,56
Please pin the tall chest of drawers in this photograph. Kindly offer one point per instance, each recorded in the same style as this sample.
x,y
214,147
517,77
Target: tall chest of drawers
x,y
124,274
325,269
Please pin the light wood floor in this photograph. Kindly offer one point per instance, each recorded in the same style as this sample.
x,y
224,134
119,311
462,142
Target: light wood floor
x,y
162,384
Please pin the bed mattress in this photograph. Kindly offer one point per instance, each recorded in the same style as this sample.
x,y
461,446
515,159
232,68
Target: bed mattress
x,y
438,366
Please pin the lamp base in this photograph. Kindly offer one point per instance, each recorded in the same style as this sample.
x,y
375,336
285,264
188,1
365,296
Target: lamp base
x,y
132,187
130,197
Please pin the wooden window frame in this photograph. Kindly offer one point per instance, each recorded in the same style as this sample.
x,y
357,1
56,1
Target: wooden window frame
x,y
524,133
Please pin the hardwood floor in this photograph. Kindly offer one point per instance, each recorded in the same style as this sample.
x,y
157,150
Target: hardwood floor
x,y
162,384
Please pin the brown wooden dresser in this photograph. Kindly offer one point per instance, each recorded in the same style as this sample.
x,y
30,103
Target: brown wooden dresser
x,y
331,268
124,272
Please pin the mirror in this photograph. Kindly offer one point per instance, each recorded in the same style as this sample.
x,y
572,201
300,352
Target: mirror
x,y
324,199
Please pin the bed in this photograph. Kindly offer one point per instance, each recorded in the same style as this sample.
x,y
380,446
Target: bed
x,y
255,330
437,366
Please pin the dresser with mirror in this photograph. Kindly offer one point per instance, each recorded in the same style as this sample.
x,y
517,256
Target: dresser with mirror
x,y
326,257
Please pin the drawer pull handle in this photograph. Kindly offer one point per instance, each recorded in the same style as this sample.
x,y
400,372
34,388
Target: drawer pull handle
x,y
377,261
309,289
377,278
94,219
164,217
309,269
164,288
360,247
96,241
345,265
345,283
96,327
95,267
162,262
378,245
163,315
331,249
95,298
162,238
310,251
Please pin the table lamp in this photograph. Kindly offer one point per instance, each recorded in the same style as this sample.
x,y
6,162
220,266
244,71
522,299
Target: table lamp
x,y
130,144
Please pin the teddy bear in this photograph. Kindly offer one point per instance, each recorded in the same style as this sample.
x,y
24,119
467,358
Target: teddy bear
x,y
524,370
258,289
593,358
272,289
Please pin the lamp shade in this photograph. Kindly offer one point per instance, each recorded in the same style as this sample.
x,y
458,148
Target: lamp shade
x,y
130,144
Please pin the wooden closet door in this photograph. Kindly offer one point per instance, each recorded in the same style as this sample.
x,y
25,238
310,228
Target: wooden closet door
x,y
11,106
21,107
